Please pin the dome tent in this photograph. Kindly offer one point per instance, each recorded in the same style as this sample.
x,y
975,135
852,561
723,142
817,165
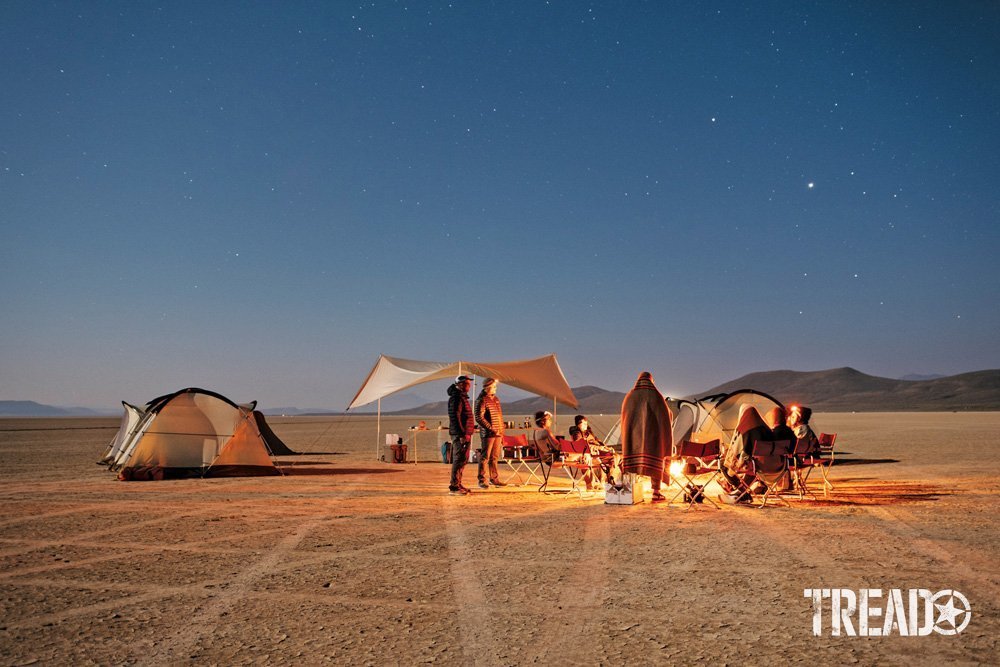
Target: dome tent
x,y
194,433
709,418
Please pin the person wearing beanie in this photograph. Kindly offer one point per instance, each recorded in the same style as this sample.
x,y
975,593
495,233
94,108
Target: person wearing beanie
x,y
461,425
489,417
646,432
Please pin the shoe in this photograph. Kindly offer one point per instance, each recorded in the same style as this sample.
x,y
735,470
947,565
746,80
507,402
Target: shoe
x,y
658,498
458,492
464,490
498,483
484,485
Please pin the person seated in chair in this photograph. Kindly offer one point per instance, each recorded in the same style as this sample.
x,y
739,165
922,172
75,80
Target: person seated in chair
x,y
776,418
542,438
780,430
548,446
609,458
798,421
749,429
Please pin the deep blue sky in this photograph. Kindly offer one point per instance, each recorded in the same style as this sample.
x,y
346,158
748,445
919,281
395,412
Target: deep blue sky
x,y
259,198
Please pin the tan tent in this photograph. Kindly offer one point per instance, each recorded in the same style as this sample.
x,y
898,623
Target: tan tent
x,y
194,433
709,418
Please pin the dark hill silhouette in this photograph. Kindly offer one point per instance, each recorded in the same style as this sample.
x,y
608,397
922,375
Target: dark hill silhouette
x,y
33,409
834,390
593,400
847,389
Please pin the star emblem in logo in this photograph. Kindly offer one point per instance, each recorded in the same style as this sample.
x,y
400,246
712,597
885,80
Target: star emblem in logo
x,y
951,618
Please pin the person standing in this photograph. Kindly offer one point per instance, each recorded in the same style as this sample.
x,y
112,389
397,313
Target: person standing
x,y
489,417
461,425
646,432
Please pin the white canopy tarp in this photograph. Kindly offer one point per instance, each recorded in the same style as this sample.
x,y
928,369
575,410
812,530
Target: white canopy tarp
x,y
541,376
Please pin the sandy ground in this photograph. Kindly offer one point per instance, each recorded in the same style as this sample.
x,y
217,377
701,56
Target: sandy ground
x,y
351,561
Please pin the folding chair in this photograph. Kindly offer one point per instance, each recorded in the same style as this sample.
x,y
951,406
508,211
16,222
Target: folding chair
x,y
769,466
737,471
798,468
696,460
570,460
519,458
823,459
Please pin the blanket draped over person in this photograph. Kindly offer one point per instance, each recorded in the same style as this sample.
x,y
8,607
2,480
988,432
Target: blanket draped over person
x,y
749,428
645,431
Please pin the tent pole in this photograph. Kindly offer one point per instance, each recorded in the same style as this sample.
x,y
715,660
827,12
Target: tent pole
x,y
555,411
378,429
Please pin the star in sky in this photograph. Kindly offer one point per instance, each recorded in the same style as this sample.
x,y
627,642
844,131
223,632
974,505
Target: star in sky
x,y
375,150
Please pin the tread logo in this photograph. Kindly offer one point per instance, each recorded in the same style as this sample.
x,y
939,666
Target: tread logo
x,y
915,612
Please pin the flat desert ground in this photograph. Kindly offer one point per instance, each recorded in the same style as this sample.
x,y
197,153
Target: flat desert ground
x,y
347,560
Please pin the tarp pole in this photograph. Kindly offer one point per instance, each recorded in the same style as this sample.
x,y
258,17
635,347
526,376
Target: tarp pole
x,y
472,400
378,429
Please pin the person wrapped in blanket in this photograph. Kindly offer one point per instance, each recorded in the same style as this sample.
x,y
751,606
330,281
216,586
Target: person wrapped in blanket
x,y
646,433
548,446
749,428
609,458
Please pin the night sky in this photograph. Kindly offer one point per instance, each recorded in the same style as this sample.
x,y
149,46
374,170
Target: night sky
x,y
260,198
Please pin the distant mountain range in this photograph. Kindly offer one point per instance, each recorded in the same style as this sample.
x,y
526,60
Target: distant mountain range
x,y
33,409
847,390
593,400
918,376
834,390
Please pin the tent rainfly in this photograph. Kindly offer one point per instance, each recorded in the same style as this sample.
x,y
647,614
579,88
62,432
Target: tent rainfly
x,y
130,422
541,376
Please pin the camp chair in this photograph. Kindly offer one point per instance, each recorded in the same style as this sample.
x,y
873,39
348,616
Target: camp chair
x,y
823,459
769,466
737,466
798,468
571,461
696,459
519,457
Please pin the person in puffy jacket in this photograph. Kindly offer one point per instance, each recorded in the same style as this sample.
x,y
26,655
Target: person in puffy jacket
x,y
489,417
461,425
